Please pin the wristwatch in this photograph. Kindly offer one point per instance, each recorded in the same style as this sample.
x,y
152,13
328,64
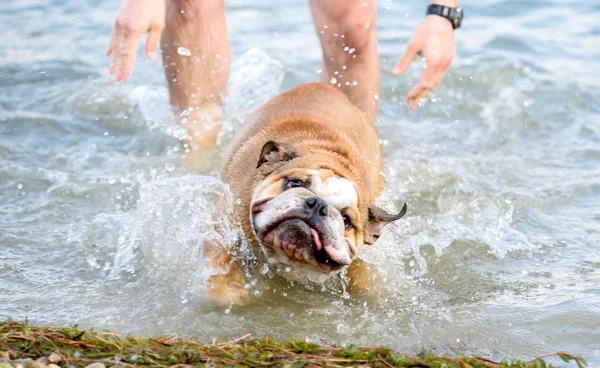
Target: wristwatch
x,y
454,15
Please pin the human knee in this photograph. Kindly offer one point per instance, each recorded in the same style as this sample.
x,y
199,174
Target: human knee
x,y
358,30
192,11
352,35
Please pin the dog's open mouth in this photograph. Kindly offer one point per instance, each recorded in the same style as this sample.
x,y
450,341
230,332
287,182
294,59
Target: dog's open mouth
x,y
300,242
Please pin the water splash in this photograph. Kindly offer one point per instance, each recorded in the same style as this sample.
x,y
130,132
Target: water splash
x,y
175,218
255,78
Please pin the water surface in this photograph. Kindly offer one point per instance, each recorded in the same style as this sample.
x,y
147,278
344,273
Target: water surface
x,y
499,254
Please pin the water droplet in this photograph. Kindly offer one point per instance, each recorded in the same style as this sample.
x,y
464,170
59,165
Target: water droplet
x,y
264,269
183,51
333,80
111,181
20,186
288,269
169,166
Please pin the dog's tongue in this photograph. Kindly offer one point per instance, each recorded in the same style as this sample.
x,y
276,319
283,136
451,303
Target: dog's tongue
x,y
332,253
316,239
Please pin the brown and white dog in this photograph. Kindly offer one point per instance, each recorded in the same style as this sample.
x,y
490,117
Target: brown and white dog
x,y
306,168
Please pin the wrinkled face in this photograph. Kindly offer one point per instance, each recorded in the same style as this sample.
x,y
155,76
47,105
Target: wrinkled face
x,y
309,220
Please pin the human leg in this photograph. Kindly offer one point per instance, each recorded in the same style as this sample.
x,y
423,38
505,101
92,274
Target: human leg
x,y
196,58
346,29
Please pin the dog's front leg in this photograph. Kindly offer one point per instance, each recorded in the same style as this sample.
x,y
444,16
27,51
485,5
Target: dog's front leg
x,y
225,286
364,277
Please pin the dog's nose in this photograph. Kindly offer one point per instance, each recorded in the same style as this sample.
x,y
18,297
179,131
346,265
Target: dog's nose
x,y
316,205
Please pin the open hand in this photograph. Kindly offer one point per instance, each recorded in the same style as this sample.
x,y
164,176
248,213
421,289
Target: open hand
x,y
135,17
434,41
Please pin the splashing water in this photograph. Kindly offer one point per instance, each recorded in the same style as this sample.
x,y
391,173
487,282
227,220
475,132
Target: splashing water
x,y
100,226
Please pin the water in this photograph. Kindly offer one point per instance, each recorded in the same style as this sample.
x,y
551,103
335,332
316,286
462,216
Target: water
x,y
101,226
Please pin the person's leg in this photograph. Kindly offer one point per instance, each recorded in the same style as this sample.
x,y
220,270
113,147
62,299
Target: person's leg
x,y
196,58
346,29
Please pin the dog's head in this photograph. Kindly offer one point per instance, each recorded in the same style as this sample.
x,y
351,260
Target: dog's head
x,y
308,216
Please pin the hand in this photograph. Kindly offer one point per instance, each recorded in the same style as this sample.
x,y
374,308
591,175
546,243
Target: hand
x,y
135,17
434,41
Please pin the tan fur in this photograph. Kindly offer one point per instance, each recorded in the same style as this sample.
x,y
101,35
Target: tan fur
x,y
322,123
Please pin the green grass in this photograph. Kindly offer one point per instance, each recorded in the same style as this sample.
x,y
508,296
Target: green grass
x,y
81,347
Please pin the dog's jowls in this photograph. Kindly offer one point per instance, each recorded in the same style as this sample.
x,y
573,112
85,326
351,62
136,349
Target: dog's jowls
x,y
306,168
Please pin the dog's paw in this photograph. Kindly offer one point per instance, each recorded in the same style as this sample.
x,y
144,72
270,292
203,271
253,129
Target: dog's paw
x,y
221,292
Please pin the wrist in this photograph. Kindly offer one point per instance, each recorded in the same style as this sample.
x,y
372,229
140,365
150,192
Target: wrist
x,y
453,14
450,3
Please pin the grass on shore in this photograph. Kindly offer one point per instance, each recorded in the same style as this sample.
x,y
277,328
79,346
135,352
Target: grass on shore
x,y
81,347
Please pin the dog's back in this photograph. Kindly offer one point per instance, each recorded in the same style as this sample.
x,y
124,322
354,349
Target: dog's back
x,y
319,112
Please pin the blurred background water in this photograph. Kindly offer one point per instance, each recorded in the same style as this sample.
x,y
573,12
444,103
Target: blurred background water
x,y
499,254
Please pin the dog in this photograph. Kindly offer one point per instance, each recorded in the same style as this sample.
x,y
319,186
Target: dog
x,y
305,169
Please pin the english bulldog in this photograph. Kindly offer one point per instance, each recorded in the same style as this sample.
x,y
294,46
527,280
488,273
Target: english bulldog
x,y
305,169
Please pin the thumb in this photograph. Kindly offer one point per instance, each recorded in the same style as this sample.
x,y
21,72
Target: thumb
x,y
152,42
407,58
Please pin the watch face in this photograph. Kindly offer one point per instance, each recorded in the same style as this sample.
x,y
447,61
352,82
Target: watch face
x,y
458,17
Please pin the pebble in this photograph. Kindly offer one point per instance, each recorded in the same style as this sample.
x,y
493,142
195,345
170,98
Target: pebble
x,y
4,355
18,365
54,358
96,365
42,360
34,364
5,365
52,365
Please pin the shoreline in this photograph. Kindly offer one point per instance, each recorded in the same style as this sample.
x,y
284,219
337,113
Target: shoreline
x,y
26,346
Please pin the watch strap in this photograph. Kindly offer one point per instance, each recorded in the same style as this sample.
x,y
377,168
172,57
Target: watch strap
x,y
454,15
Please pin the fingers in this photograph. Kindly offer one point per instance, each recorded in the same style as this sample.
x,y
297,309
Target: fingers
x,y
411,51
429,80
127,56
110,52
124,45
152,42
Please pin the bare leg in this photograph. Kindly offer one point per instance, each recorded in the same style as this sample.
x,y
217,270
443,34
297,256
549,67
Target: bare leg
x,y
346,29
197,77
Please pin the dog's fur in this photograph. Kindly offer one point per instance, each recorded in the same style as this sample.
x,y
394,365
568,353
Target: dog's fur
x,y
306,168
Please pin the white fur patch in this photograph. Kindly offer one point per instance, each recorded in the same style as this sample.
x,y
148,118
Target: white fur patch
x,y
338,192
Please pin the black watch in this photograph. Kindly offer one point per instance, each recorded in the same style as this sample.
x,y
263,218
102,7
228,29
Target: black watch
x,y
454,15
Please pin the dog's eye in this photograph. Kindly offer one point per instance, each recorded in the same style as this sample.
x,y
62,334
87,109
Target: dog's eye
x,y
292,183
347,221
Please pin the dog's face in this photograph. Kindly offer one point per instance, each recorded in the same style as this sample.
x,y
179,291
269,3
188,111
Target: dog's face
x,y
308,217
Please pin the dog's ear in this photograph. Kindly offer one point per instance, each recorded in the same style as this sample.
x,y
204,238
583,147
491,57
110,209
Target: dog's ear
x,y
378,218
274,152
